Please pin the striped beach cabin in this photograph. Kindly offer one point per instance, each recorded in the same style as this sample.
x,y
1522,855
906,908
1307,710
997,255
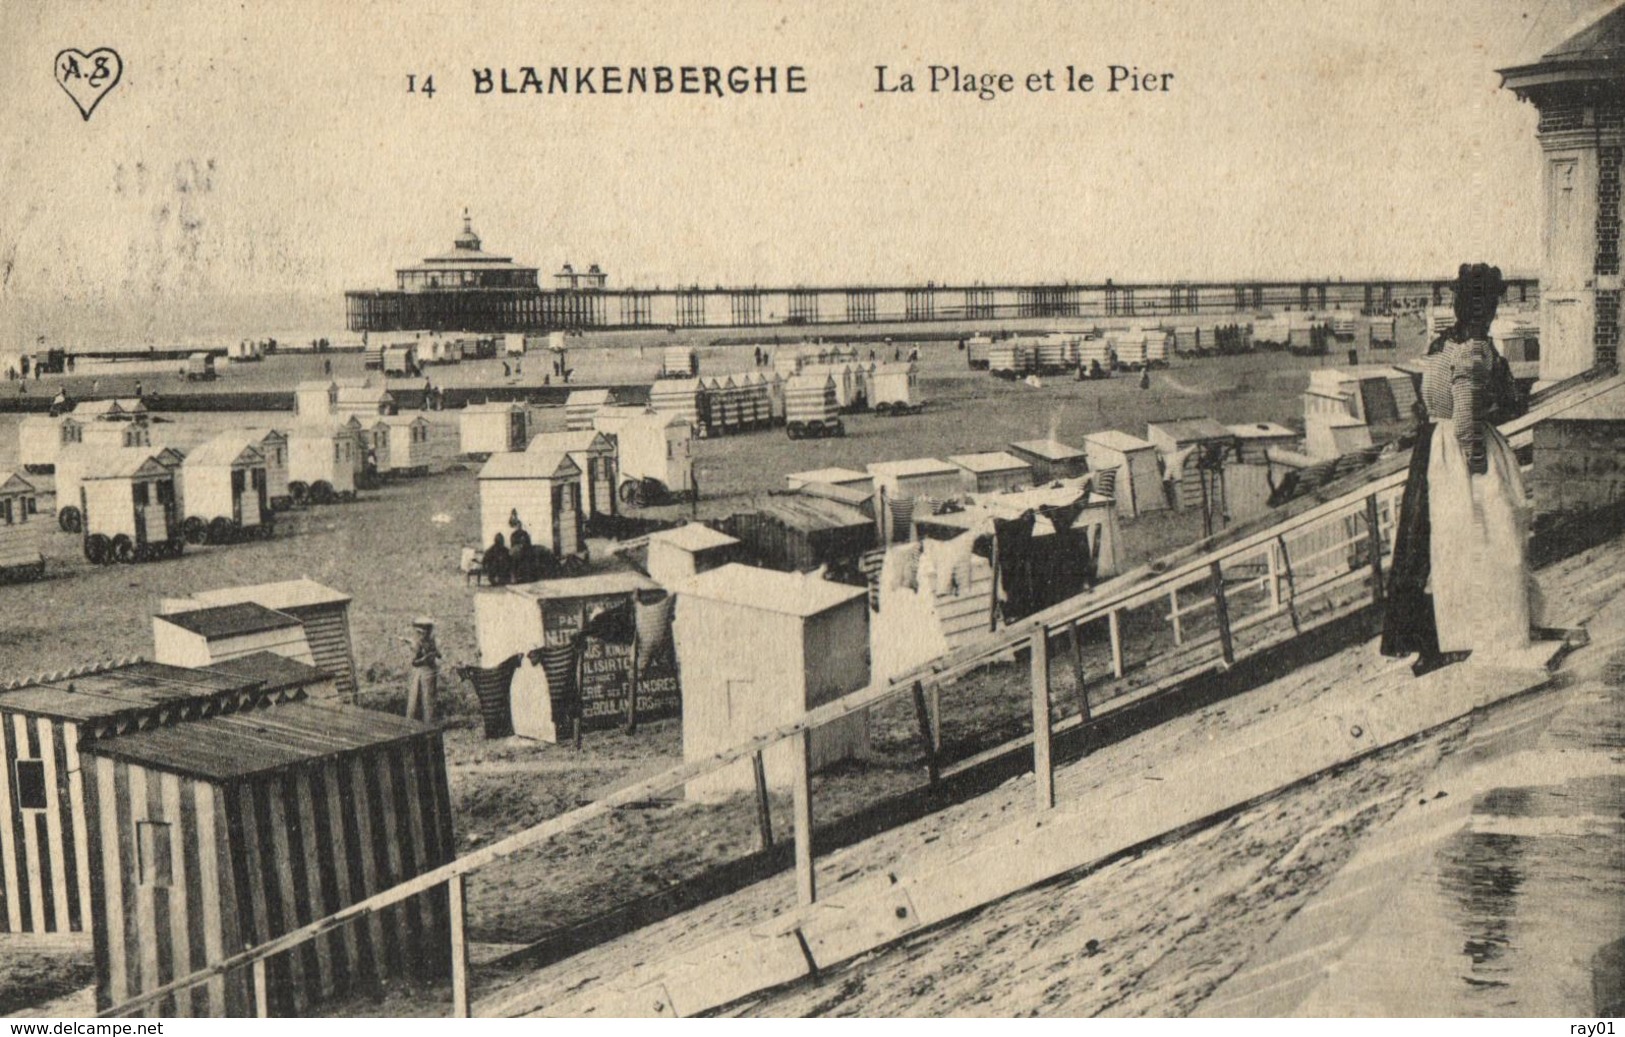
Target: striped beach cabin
x,y
44,840
232,830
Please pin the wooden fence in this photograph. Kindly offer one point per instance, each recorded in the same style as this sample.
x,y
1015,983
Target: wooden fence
x,y
1196,611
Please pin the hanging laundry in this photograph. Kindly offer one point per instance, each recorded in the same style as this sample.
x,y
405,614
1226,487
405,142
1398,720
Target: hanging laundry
x,y
1015,540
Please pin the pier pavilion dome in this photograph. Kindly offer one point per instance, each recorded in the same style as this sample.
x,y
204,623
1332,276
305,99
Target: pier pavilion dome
x,y
466,266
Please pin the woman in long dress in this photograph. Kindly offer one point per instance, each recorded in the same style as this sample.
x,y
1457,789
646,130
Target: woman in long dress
x,y
1462,529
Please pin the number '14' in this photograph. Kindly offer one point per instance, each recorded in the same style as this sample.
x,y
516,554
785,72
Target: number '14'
x,y
426,88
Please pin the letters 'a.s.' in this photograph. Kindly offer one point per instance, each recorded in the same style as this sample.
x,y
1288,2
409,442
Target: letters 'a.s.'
x,y
88,77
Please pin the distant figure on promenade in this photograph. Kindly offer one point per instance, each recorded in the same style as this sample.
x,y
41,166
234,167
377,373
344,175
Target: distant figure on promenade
x,y
138,388
424,683
59,403
1458,582
327,367
1145,378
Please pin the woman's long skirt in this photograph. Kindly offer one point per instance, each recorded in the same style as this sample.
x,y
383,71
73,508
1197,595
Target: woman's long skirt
x,y
1407,624
1480,575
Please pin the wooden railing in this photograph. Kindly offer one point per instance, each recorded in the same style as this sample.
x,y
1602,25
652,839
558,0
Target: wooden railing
x,y
1244,578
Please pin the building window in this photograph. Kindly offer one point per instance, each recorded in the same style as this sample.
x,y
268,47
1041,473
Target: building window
x,y
152,842
31,784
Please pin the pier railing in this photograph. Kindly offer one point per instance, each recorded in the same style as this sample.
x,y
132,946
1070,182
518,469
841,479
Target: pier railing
x,y
1197,611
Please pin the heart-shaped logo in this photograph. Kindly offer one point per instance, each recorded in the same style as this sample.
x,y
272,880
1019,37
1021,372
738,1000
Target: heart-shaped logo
x,y
88,77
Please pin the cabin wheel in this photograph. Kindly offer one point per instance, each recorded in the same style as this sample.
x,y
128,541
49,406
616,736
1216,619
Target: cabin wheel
x,y
222,531
123,550
97,549
321,492
793,430
650,491
298,492
629,492
195,530
68,518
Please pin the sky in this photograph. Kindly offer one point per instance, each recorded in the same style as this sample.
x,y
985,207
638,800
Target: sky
x,y
273,149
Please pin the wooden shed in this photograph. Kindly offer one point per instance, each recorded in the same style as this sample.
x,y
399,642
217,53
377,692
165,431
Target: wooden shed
x,y
542,492
991,472
232,830
593,453
1255,439
599,677
861,481
1126,469
372,447
21,528
363,401
679,397
44,842
677,554
678,362
734,688
811,406
322,611
322,462
226,492
1182,442
206,634
799,532
485,429
273,446
40,439
113,435
408,441
916,477
1051,460
894,386
582,404
128,507
653,450
316,400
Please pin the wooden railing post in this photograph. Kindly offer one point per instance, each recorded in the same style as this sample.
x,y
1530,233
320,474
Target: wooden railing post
x,y
801,754
922,713
1274,562
1077,671
1116,629
1043,763
764,812
1173,613
459,948
262,995
1221,604
1378,591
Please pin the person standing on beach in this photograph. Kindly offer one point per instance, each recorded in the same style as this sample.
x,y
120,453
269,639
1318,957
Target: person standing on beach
x,y
424,682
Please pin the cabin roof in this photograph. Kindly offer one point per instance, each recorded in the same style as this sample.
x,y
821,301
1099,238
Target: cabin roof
x,y
398,420
1262,430
768,590
528,465
229,448
693,537
587,397
271,671
315,386
11,483
848,495
1048,450
832,476
284,594
911,466
810,513
241,745
569,442
115,690
1122,442
620,581
996,461
216,622
1191,430
675,386
122,463
493,408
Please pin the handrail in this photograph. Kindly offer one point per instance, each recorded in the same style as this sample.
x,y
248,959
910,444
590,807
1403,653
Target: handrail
x,y
1100,602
